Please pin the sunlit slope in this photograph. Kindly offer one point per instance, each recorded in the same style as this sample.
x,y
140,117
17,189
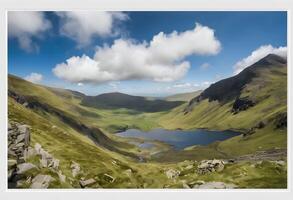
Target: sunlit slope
x,y
267,89
183,96
69,103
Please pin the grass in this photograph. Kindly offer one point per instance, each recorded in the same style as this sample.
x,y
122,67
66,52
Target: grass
x,y
67,144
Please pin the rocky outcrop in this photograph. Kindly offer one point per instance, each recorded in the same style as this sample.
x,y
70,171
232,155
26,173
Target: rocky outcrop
x,y
208,166
41,181
241,104
75,168
88,182
18,142
172,173
281,121
23,173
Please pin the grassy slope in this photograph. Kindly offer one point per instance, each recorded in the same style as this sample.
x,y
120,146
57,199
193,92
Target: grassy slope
x,y
183,96
267,89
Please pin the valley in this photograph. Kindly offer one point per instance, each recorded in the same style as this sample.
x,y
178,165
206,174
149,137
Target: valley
x,y
83,131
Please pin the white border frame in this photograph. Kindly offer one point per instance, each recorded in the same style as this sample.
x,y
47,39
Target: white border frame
x,y
138,5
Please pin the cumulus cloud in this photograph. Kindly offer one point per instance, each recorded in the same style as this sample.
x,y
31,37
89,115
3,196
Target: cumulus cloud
x,y
161,59
26,25
258,54
82,26
34,77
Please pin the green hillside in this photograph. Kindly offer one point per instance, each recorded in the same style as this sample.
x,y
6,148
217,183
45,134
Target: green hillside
x,y
264,84
183,96
65,125
120,100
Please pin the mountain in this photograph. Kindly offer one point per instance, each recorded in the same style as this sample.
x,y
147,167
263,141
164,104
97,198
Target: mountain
x,y
253,102
77,132
183,96
120,100
230,88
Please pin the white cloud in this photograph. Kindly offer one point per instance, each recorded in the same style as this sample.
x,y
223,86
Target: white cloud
x,y
162,59
82,26
204,66
34,77
182,85
258,54
24,25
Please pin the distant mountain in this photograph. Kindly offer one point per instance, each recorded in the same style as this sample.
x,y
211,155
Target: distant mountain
x,y
183,96
230,88
120,100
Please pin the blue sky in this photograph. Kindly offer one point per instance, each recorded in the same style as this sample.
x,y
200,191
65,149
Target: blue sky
x,y
224,43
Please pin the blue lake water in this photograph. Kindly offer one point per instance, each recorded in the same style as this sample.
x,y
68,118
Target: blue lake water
x,y
180,138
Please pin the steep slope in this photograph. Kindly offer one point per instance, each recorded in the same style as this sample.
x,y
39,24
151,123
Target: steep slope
x,y
183,96
253,102
120,100
230,88
63,105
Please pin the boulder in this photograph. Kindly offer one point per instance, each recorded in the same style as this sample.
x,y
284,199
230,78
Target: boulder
x,y
24,131
128,172
75,168
208,166
109,178
62,178
12,163
24,167
41,181
172,173
84,183
29,152
38,148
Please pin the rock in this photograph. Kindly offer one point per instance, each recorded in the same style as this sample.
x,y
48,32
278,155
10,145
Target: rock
x,y
21,168
11,163
280,162
185,186
75,168
29,153
9,126
38,148
41,181
55,163
20,138
10,173
208,166
172,173
43,163
215,185
241,104
109,178
21,144
260,125
84,183
24,130
128,172
281,120
62,178
189,167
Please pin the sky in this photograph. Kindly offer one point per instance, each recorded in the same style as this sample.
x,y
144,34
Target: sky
x,y
139,53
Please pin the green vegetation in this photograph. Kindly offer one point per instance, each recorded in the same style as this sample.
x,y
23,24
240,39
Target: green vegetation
x,y
183,96
71,129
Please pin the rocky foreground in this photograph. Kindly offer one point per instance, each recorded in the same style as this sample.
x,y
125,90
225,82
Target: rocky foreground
x,y
31,166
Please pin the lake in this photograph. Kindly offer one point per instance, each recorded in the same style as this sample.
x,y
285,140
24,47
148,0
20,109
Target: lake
x,y
180,139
